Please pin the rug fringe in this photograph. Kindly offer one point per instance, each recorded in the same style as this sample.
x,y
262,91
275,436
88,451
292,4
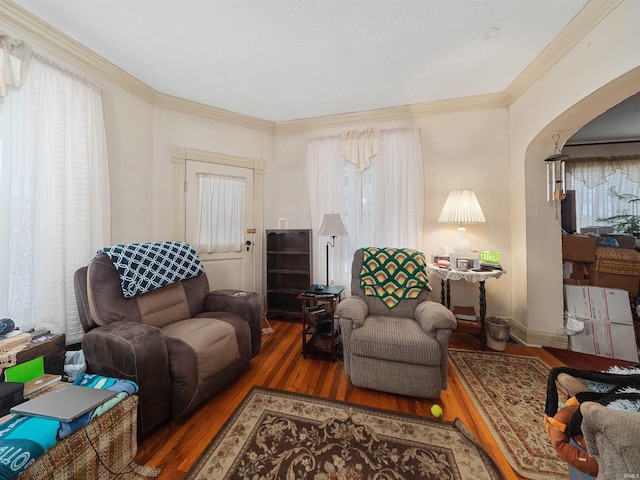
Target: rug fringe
x,y
141,472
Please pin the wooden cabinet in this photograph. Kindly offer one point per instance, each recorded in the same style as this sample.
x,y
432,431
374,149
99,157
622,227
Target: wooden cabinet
x,y
289,271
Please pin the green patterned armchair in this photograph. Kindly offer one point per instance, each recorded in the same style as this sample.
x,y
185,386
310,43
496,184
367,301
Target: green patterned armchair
x,y
394,344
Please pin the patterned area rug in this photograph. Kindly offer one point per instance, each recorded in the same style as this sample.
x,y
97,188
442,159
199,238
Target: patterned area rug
x,y
279,435
509,392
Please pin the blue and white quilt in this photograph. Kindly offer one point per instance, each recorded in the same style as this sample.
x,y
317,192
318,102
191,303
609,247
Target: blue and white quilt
x,y
143,267
24,439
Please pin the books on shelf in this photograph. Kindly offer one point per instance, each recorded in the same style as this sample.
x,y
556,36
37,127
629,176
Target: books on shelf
x,y
465,313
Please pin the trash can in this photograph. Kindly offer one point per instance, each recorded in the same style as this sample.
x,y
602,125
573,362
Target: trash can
x,y
497,331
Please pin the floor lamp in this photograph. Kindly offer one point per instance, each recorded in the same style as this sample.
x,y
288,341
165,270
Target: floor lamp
x,y
333,227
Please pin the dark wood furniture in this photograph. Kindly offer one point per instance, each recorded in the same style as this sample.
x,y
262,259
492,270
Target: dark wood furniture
x,y
52,349
289,271
479,277
320,332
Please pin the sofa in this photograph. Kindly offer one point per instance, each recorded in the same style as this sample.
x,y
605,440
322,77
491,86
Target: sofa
x,y
401,349
180,343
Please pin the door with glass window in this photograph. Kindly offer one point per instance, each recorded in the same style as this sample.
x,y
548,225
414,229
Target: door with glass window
x,y
218,219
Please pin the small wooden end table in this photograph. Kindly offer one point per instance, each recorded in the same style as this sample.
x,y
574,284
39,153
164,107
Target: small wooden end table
x,y
320,305
471,276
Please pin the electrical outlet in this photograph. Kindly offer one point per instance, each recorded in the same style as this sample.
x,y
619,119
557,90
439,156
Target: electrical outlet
x,y
282,223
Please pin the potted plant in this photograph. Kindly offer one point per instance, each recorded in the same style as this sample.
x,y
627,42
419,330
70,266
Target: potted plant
x,y
625,222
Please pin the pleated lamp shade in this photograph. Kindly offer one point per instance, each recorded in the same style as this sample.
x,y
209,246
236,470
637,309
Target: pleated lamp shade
x,y
461,207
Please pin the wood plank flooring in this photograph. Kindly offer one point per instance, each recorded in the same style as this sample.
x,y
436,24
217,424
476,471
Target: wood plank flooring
x,y
176,445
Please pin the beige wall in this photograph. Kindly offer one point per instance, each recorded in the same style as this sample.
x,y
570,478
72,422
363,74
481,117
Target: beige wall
x,y
591,78
190,131
129,125
497,151
462,149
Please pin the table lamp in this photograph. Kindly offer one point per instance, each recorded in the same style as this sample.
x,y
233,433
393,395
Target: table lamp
x,y
461,207
332,226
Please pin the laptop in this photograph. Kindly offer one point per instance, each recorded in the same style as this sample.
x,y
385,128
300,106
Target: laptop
x,y
65,403
32,374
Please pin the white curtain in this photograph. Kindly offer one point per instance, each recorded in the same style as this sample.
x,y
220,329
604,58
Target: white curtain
x,y
15,58
325,167
397,199
220,213
359,147
382,205
594,171
58,212
594,178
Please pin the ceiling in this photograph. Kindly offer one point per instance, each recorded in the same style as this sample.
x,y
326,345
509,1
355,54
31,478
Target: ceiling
x,y
283,60
620,123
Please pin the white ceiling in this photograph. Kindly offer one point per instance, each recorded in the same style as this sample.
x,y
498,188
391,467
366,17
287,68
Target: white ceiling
x,y
620,123
283,60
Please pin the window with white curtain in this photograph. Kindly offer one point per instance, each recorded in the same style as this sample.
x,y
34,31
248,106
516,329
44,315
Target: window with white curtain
x,y
55,195
220,213
595,180
380,194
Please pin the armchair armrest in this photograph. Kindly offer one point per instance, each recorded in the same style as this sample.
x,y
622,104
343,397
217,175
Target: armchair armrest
x,y
246,306
434,316
354,309
613,439
135,352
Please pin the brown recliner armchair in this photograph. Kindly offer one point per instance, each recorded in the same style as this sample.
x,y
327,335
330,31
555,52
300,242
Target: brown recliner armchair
x,y
180,343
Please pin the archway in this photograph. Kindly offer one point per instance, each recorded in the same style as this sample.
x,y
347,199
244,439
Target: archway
x,y
541,300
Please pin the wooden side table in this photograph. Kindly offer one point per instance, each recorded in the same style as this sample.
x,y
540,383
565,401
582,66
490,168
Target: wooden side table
x,y
320,305
471,276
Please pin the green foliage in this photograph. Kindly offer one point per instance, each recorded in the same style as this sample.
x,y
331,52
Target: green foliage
x,y
625,222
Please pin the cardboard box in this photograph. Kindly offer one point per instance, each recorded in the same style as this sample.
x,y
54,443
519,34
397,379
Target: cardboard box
x,y
576,281
579,248
629,283
606,305
578,270
606,339
624,240
596,230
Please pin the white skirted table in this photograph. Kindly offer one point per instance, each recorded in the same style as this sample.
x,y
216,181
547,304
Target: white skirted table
x,y
471,276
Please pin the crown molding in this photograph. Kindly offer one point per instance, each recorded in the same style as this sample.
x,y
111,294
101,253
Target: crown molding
x,y
213,113
494,100
370,116
21,20
579,26
51,38
491,100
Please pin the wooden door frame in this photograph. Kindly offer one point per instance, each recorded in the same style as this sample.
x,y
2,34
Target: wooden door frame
x,y
179,157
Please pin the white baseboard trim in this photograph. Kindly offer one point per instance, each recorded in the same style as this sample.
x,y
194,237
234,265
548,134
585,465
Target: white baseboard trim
x,y
537,338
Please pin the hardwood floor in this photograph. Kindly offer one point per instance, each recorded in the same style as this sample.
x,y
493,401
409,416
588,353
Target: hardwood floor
x,y
176,446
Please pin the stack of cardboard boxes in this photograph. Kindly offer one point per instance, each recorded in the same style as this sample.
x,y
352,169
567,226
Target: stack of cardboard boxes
x,y
586,263
602,322
601,285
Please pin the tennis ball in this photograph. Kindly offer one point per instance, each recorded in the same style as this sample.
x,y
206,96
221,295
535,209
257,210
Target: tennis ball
x,y
436,410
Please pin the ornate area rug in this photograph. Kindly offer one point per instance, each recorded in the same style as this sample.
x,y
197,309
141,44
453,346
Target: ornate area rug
x,y
278,435
509,392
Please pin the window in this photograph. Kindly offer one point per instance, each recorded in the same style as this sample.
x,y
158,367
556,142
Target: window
x,y
220,213
380,198
598,183
55,205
